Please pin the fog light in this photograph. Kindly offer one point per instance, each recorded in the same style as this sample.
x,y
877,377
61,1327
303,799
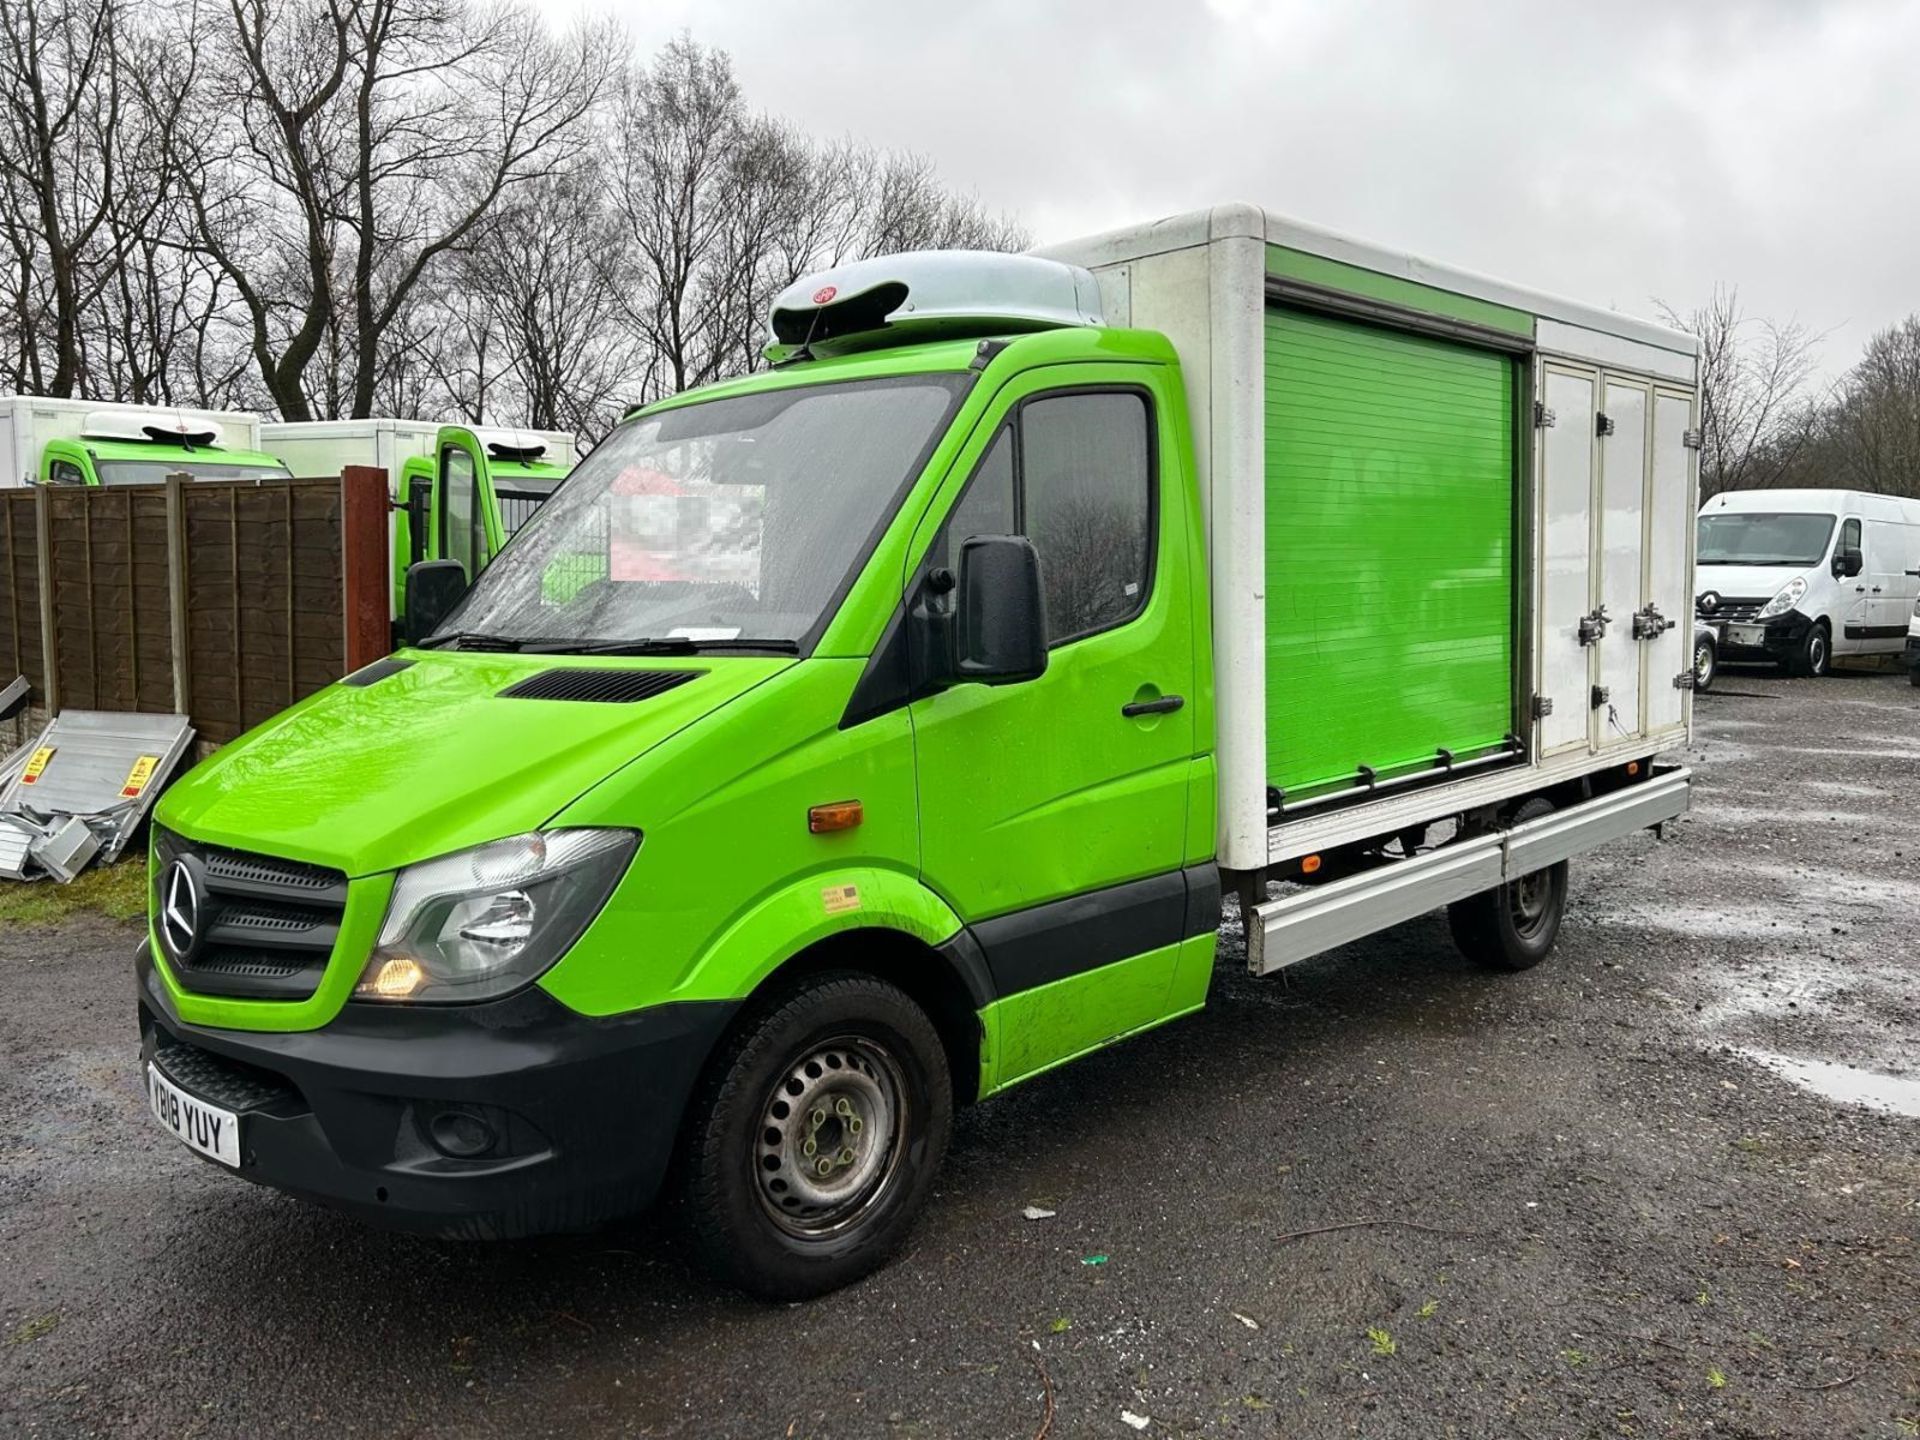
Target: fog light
x,y
460,1134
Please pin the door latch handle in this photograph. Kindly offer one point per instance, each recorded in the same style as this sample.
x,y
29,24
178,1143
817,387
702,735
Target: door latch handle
x,y
1650,624
1165,705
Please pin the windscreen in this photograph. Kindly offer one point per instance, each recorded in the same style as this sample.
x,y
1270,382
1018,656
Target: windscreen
x,y
731,520
153,472
1761,537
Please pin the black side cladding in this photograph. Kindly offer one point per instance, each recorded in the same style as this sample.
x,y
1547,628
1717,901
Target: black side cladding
x,y
601,687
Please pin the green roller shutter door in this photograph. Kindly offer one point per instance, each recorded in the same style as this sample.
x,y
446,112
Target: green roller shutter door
x,y
1390,576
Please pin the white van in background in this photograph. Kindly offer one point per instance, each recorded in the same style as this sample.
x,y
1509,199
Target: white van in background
x,y
1803,577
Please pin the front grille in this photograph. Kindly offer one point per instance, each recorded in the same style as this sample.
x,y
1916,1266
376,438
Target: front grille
x,y
266,926
1730,608
606,687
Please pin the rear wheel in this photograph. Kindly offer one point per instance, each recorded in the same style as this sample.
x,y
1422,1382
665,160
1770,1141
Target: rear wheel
x,y
1706,663
817,1135
1815,653
1513,927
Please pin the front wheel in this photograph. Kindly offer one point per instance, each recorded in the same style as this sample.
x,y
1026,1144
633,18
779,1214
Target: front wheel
x,y
1706,663
1815,653
816,1137
1513,926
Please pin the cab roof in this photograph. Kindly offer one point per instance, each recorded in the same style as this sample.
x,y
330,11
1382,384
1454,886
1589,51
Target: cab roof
x,y
167,449
1063,345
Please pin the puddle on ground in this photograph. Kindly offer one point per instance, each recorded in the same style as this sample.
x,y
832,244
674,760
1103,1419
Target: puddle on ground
x,y
1872,1088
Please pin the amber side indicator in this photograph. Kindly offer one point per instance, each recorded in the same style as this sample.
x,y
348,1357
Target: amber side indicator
x,y
1633,767
1309,864
841,815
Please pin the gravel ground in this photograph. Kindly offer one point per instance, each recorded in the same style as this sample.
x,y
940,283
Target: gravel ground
x,y
1666,1184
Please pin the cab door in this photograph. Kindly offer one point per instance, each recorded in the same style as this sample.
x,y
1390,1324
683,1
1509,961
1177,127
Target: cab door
x,y
1853,599
459,507
1054,812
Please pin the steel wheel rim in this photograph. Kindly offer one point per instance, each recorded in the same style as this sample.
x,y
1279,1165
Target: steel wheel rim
x,y
831,1134
1530,899
1817,654
1702,662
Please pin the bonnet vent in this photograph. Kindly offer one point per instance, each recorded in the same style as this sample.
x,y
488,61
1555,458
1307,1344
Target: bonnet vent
x,y
377,671
605,687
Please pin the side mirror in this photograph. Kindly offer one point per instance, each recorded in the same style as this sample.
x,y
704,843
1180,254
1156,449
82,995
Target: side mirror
x,y
1000,632
434,587
1847,563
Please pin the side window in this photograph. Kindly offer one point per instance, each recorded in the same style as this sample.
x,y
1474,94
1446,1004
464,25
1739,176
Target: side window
x,y
65,472
987,508
1850,535
459,510
1086,482
1074,474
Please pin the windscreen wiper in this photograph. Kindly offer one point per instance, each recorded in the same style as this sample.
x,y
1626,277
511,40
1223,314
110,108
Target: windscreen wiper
x,y
663,645
470,640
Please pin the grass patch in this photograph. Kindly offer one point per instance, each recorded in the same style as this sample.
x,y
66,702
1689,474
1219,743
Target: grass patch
x,y
118,892
33,1329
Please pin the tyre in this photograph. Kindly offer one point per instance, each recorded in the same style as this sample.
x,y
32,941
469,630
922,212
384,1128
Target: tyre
x,y
1513,927
815,1136
1706,663
1913,677
1815,653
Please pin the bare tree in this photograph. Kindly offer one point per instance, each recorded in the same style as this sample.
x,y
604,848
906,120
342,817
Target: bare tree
x,y
547,272
1871,433
61,104
343,152
1757,404
721,208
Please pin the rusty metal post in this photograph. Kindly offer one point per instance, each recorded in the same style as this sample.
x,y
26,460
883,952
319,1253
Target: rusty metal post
x,y
365,588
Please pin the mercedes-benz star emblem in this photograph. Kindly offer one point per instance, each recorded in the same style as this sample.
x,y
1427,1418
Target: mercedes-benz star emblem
x,y
179,910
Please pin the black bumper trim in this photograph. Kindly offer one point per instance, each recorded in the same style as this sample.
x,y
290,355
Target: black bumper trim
x,y
584,1111
1783,638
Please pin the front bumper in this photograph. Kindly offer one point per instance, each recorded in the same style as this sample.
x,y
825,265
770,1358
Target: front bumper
x,y
582,1113
1782,635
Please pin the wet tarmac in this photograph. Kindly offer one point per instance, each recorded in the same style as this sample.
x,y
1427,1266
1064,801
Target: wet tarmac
x,y
1668,1184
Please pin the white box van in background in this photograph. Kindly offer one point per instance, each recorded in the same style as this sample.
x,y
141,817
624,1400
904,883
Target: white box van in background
x,y
1803,577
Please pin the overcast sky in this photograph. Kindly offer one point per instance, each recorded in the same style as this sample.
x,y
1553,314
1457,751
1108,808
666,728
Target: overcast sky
x,y
1613,153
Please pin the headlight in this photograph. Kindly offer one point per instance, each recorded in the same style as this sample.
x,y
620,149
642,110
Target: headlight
x,y
479,923
1785,600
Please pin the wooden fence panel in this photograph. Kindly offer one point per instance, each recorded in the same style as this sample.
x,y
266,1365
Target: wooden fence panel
x,y
243,586
20,650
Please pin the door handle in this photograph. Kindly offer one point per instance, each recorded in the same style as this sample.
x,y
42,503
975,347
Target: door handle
x,y
1876,589
1165,705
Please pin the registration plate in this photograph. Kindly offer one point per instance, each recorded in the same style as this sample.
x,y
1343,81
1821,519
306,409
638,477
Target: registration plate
x,y
207,1128
1751,635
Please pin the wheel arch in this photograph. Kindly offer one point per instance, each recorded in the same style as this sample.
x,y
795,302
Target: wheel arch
x,y
948,981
